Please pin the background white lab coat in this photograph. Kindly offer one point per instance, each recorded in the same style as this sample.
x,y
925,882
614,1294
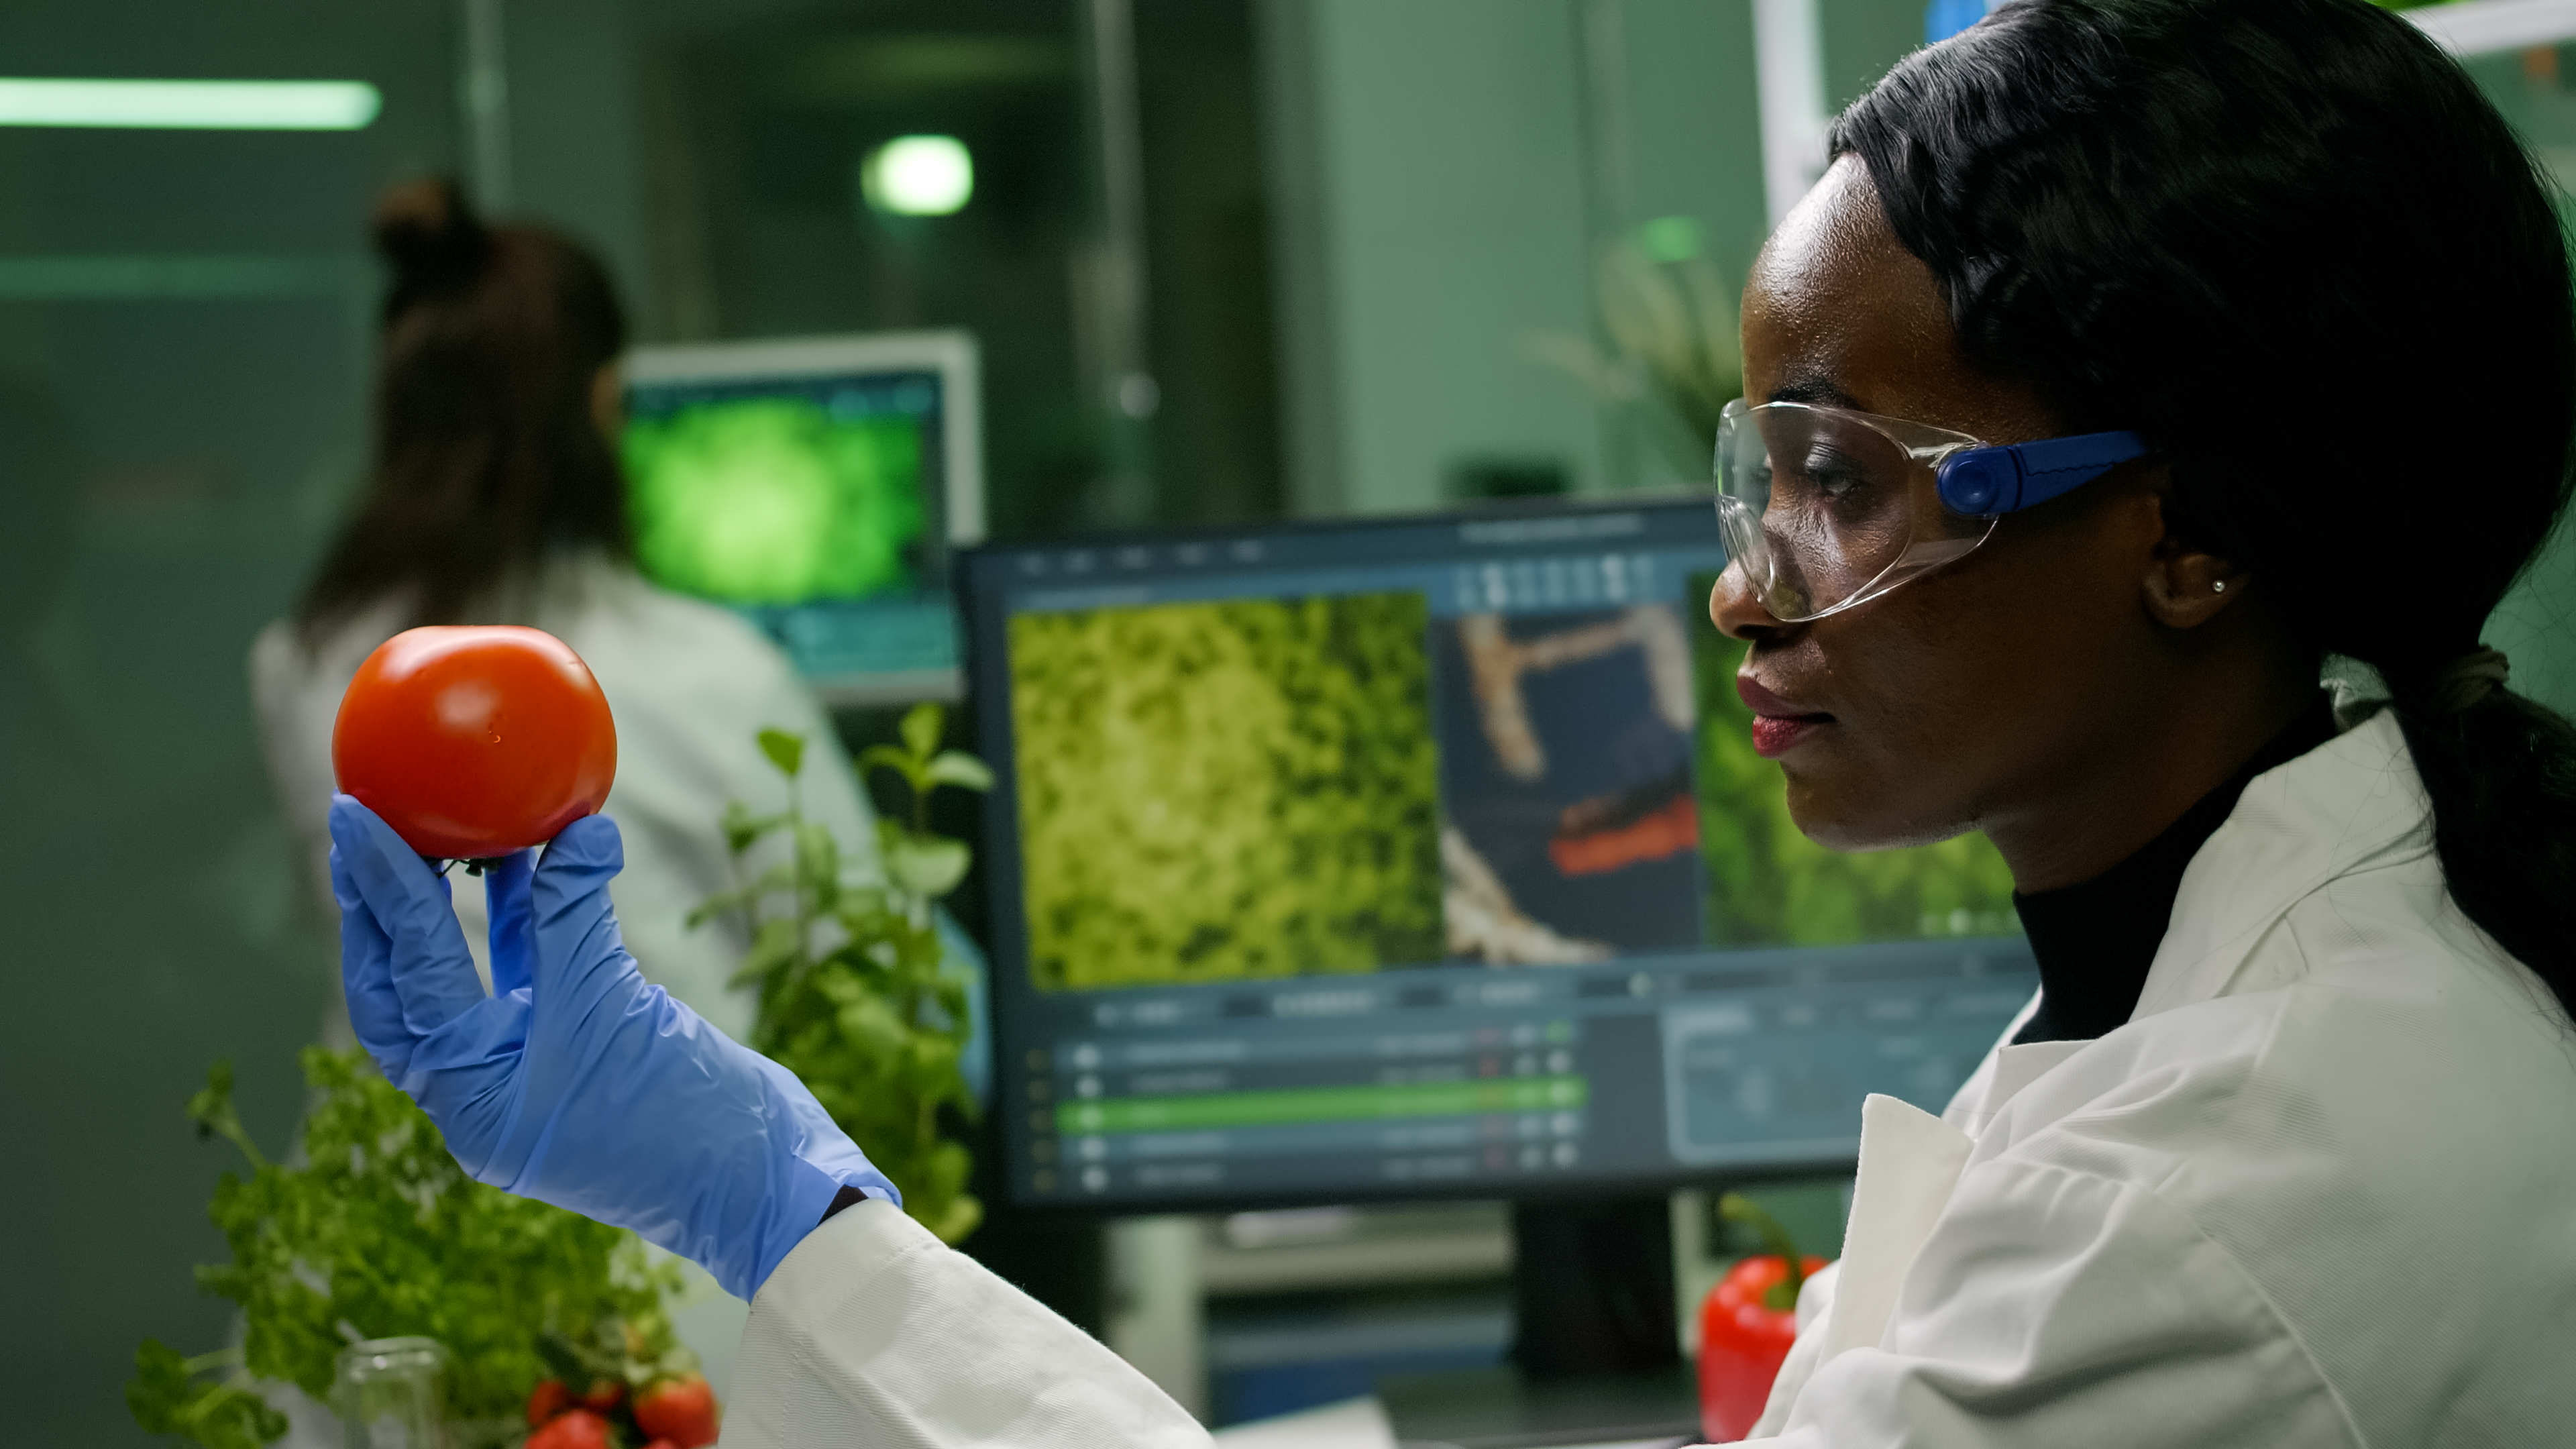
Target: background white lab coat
x,y
2321,1190
691,686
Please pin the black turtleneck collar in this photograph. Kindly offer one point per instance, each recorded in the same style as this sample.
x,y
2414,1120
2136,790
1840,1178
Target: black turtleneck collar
x,y
2096,939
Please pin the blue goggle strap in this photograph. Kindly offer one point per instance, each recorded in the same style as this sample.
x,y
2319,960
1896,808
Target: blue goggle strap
x,y
2008,477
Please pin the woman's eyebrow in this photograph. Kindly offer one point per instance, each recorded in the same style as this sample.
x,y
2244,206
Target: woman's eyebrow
x,y
1814,388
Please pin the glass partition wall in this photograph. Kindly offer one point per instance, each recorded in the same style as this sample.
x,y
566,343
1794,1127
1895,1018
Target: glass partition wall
x,y
185,313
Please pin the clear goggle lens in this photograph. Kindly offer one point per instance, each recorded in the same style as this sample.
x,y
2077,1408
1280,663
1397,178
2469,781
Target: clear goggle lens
x,y
1824,509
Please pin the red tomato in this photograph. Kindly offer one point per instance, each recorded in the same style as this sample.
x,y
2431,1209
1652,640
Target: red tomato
x,y
1743,1336
682,1410
549,1399
604,1396
474,742
579,1429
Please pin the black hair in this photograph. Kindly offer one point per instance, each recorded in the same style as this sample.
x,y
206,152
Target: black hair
x,y
486,454
2290,243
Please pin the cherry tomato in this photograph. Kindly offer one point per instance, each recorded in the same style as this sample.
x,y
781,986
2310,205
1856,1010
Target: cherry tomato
x,y
578,1429
475,741
681,1410
548,1399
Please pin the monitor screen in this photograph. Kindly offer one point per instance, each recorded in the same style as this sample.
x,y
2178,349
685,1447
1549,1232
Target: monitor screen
x,y
1431,857
815,485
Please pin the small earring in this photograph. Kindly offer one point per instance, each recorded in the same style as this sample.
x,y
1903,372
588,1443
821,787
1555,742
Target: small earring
x,y
2218,587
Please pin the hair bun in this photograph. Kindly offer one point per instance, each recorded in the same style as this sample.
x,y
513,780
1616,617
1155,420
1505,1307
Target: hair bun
x,y
431,235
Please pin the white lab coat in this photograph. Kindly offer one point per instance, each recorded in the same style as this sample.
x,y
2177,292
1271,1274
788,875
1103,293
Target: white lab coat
x,y
690,685
2321,1190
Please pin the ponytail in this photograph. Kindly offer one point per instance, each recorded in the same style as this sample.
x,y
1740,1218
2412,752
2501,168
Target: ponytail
x,y
2501,774
486,453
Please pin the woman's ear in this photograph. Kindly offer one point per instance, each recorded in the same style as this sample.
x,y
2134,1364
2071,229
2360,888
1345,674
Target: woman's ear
x,y
2186,585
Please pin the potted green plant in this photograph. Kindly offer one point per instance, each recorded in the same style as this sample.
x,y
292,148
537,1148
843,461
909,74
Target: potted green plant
x,y
856,993
373,1232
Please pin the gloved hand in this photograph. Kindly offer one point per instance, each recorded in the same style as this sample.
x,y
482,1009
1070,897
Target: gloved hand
x,y
577,1082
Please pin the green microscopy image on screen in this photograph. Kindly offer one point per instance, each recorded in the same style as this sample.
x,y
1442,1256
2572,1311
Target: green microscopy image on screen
x,y
1770,885
1225,791
773,500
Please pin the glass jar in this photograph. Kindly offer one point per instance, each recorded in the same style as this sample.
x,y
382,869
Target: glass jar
x,y
391,1393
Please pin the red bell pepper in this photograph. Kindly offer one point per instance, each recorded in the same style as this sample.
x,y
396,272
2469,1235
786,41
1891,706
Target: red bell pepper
x,y
1746,1325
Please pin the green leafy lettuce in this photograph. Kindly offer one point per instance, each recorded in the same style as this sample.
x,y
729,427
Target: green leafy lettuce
x,y
374,1232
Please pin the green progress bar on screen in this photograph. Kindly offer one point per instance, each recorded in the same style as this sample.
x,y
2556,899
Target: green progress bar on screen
x,y
1319,1104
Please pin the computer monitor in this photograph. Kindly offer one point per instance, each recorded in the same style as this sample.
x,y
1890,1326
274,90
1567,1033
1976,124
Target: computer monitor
x,y
817,485
1430,857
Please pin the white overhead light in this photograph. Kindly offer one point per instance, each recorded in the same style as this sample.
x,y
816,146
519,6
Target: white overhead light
x,y
190,105
918,176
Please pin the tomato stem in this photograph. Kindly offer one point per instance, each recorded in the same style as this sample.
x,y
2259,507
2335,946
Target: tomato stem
x,y
1735,1207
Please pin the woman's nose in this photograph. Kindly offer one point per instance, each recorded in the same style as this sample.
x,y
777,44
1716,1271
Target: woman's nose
x,y
1736,611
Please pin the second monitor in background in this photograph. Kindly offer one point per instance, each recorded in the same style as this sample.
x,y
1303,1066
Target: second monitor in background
x,y
817,485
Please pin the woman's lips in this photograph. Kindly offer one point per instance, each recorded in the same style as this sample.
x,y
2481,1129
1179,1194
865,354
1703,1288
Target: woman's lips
x,y
1778,725
1774,736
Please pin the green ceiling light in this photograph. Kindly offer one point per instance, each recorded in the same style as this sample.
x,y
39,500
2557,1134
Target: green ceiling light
x,y
180,105
918,176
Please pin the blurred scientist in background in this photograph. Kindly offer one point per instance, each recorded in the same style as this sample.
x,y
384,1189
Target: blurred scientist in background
x,y
494,495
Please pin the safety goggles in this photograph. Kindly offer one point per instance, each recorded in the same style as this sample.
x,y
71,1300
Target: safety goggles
x,y
1825,509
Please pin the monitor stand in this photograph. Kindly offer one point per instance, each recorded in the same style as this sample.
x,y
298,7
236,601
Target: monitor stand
x,y
1595,1359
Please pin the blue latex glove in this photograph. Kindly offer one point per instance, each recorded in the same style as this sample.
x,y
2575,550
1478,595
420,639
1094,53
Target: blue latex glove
x,y
577,1082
